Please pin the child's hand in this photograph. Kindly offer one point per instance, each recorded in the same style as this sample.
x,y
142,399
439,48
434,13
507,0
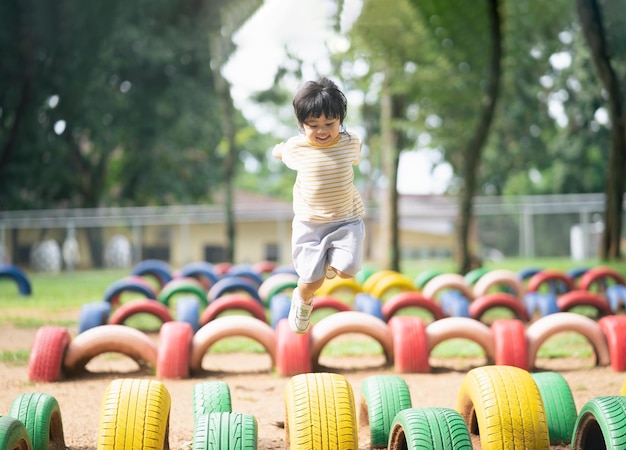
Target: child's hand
x,y
277,151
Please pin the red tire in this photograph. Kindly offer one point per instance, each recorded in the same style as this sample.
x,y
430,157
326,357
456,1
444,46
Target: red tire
x,y
411,300
598,278
410,344
330,302
232,302
293,351
110,339
509,338
174,350
551,277
485,302
152,307
580,297
614,329
46,357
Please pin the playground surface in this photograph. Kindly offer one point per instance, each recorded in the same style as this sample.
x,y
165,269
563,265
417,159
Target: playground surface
x,y
256,389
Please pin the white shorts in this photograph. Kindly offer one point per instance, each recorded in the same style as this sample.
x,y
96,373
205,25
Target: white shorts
x,y
339,244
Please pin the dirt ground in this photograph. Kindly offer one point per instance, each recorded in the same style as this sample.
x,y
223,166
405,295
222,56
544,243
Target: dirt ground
x,y
255,388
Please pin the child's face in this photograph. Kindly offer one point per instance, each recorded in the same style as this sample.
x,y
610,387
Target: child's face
x,y
321,130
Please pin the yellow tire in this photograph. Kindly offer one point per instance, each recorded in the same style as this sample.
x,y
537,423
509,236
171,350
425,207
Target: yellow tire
x,y
374,278
134,414
392,283
337,285
503,405
320,413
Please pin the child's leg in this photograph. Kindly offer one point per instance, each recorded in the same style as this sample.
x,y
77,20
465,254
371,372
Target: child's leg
x,y
306,291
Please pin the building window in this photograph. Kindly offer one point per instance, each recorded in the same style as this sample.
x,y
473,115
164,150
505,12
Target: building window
x,y
214,253
272,252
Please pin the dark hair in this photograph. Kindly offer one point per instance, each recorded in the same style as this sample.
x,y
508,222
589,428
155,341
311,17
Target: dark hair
x,y
320,97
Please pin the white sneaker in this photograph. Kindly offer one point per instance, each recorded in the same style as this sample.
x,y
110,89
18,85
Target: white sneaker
x,y
299,315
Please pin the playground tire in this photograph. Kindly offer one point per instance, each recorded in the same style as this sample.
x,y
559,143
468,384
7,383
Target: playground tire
x,y
558,404
558,282
616,296
368,304
45,362
596,279
447,281
293,351
382,397
279,308
230,302
106,339
614,330
542,329
371,281
320,413
411,300
225,431
502,404
178,286
13,434
425,276
454,304
474,275
227,326
464,328
579,297
509,339
429,429
410,344
200,270
245,271
276,283
159,270
24,287
484,303
330,302
349,322
131,284
232,285
134,414
338,284
188,310
499,278
173,350
542,302
600,424
141,306
390,283
211,397
93,315
41,415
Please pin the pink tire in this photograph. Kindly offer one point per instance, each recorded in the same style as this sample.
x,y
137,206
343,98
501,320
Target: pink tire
x,y
273,282
580,297
547,326
411,300
174,349
231,302
46,357
349,322
410,345
293,351
110,339
499,278
330,302
486,302
228,326
464,328
509,338
598,278
447,281
614,329
550,277
152,307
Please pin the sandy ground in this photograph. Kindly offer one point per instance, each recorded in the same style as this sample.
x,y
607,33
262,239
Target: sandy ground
x,y
255,388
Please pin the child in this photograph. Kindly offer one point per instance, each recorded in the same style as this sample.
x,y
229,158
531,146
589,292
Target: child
x,y
327,229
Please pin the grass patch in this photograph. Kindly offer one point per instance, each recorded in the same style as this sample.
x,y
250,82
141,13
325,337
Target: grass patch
x,y
17,358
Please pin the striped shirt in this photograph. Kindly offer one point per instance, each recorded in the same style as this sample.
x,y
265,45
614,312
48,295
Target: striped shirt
x,y
324,190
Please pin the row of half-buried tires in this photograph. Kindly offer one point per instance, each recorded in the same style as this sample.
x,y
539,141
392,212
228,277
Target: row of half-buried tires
x,y
405,340
501,406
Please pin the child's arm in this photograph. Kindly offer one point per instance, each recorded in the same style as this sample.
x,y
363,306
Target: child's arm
x,y
277,151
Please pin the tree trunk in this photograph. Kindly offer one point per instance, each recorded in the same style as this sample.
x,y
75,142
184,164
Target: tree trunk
x,y
476,143
593,29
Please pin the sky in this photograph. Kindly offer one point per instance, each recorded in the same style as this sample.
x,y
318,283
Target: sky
x,y
303,27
